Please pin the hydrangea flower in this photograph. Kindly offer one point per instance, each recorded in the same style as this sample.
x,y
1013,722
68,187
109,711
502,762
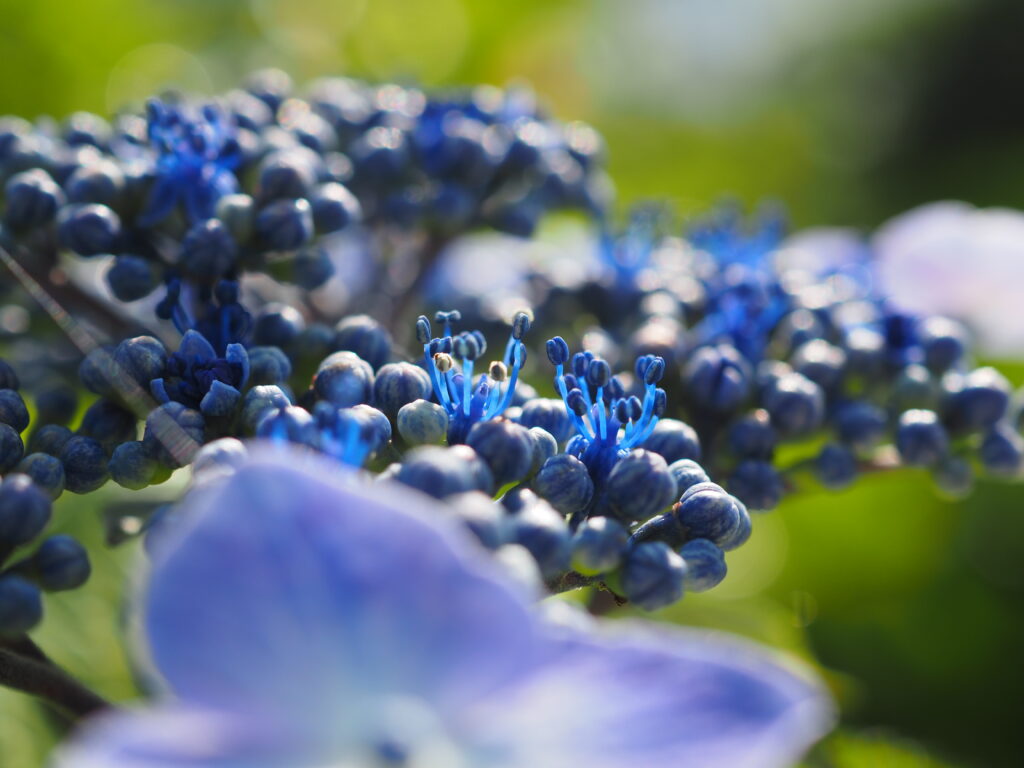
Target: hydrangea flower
x,y
196,154
468,403
608,423
199,378
301,619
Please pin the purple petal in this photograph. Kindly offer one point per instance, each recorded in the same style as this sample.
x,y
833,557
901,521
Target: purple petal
x,y
298,591
179,738
194,346
654,699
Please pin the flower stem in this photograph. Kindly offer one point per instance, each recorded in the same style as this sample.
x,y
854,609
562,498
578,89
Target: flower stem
x,y
24,667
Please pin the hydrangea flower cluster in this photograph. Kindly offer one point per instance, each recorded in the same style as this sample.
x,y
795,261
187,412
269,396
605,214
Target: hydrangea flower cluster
x,y
723,365
639,482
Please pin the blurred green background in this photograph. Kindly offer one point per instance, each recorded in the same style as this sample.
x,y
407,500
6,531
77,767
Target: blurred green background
x,y
847,112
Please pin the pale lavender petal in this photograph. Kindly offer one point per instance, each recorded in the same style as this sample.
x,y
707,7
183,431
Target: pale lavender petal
x,y
953,259
296,589
653,698
182,738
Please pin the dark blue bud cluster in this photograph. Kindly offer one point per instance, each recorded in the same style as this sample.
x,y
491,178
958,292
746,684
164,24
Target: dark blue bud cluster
x,y
266,254
32,479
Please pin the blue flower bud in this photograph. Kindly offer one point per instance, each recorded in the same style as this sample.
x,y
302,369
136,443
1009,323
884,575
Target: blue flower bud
x,y
311,268
88,229
100,181
757,484
375,426
24,511
364,336
277,325
291,423
219,457
334,208
285,225
237,212
173,434
312,343
482,516
921,439
944,342
598,546
705,565
479,472
131,278
381,155
109,424
258,401
821,362
860,424
544,447
49,439
11,448
564,482
865,351
517,499
982,401
707,513
543,532
753,437
61,563
85,464
13,410
558,350
21,605
835,466
8,377
718,378
46,471
136,363
437,471
132,466
914,388
652,576
96,372
344,379
1002,450
56,403
672,439
796,405
422,422
398,384
505,447
208,251
268,365
687,473
742,533
32,199
286,175
640,486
